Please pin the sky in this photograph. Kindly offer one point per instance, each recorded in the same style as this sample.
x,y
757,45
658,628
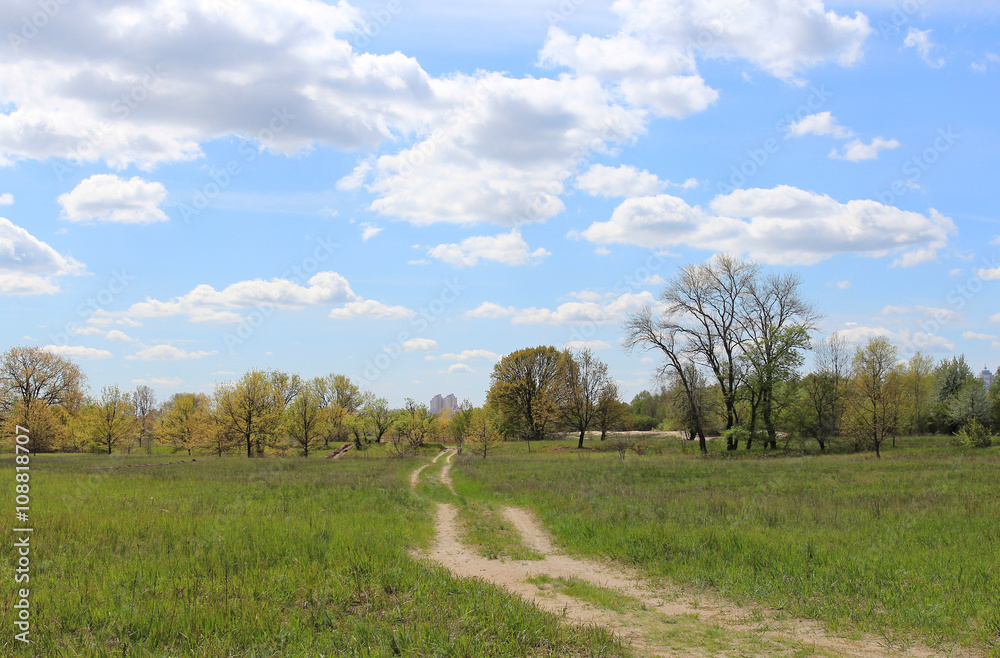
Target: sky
x,y
404,191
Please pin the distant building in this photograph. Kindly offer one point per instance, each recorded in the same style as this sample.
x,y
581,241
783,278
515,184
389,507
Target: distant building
x,y
986,377
439,403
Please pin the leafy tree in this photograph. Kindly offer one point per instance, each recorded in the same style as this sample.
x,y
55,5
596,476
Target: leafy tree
x,y
825,390
250,408
970,402
918,382
305,419
112,418
484,430
186,421
583,377
874,403
611,412
378,417
144,399
32,379
340,397
524,391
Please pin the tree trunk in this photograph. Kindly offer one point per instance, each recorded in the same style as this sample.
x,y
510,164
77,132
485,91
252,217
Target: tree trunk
x,y
604,433
580,445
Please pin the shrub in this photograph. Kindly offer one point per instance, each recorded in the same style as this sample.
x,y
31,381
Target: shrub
x,y
643,423
973,435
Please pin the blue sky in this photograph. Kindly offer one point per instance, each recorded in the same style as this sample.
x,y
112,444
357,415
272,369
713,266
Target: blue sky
x,y
403,192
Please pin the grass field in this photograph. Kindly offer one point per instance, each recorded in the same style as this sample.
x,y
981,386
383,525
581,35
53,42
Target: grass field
x,y
262,557
907,547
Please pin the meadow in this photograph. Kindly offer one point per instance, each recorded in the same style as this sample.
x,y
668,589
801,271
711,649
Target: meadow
x,y
905,547
254,557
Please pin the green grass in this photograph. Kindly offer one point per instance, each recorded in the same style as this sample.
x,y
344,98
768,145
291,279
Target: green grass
x,y
261,557
581,589
906,546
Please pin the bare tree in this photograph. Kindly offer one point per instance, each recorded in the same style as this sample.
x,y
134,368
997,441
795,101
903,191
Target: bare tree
x,y
643,329
583,378
705,303
144,400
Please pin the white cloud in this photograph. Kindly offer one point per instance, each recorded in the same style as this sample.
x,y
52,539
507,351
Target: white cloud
x,y
370,308
783,225
167,353
587,344
418,261
842,285
602,251
466,355
991,274
456,368
936,312
995,240
87,331
569,313
856,150
895,310
108,198
972,335
78,352
29,266
822,123
369,231
995,319
921,40
989,60
206,304
507,248
355,179
956,272
623,181
170,382
654,280
906,340
115,334
419,345
6,199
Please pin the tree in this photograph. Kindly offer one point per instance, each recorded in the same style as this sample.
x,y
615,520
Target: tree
x,y
874,402
144,399
645,330
582,379
484,430
112,418
523,391
305,419
186,423
777,322
31,379
611,412
970,402
251,409
378,417
918,381
825,388
340,397
704,302
458,424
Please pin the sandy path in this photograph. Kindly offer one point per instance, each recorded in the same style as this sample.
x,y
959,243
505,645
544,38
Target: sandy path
x,y
445,475
666,605
415,475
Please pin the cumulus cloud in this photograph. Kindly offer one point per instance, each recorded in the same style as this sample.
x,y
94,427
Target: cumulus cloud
x,y
822,123
170,382
108,198
989,274
167,353
587,344
623,181
115,334
995,319
856,150
419,345
972,335
783,225
371,309
455,369
921,41
29,266
78,352
369,231
6,199
466,355
570,313
507,248
908,341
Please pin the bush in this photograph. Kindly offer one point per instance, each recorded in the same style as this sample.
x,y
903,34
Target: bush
x,y
973,435
643,423
739,434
